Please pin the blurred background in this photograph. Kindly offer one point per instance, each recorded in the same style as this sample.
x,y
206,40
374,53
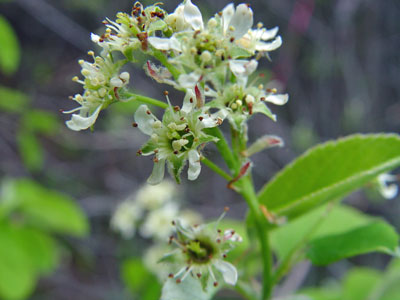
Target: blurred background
x,y
340,63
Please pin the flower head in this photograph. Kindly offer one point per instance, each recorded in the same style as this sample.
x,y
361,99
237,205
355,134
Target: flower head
x,y
102,83
177,138
202,250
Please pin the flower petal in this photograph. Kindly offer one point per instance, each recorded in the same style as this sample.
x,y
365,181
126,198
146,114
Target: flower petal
x,y
78,122
193,15
228,271
241,21
243,68
159,43
227,14
158,172
188,81
144,119
188,102
279,99
260,46
269,34
194,165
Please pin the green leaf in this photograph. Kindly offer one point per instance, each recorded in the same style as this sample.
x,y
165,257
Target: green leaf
x,y
40,121
136,277
10,49
13,101
330,171
378,236
190,288
48,210
40,248
338,219
359,283
30,149
17,276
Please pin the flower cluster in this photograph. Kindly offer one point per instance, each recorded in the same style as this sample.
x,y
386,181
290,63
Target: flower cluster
x,y
102,83
178,137
202,250
151,210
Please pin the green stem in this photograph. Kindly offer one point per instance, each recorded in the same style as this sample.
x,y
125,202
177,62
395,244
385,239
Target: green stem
x,y
224,149
248,193
216,169
148,100
164,60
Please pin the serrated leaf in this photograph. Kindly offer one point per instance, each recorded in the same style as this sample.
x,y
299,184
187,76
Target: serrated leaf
x,y
13,101
330,171
46,209
336,220
378,236
10,52
190,288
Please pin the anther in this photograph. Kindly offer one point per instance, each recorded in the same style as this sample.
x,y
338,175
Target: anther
x,y
171,275
177,108
166,93
178,280
191,100
148,112
201,119
173,223
215,284
198,275
139,152
155,159
232,39
135,124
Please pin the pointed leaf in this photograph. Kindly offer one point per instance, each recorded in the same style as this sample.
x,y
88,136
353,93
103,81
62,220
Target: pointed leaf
x,y
330,171
378,236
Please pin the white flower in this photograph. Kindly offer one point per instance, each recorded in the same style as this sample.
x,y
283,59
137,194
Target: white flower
x,y
176,138
157,223
125,217
154,196
386,187
101,82
203,251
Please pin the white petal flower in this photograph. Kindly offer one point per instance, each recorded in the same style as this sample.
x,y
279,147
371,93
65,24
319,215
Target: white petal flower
x,y
194,165
387,190
228,271
125,217
241,21
158,172
157,224
154,196
144,119
83,121
243,68
193,15
189,81
277,99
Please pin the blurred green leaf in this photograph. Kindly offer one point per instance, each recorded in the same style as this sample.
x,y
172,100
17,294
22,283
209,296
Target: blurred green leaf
x,y
359,283
324,293
330,171
378,236
13,101
17,276
10,49
40,247
137,278
339,219
40,121
30,149
48,210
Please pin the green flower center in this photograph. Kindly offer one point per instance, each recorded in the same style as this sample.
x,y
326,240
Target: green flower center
x,y
201,250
